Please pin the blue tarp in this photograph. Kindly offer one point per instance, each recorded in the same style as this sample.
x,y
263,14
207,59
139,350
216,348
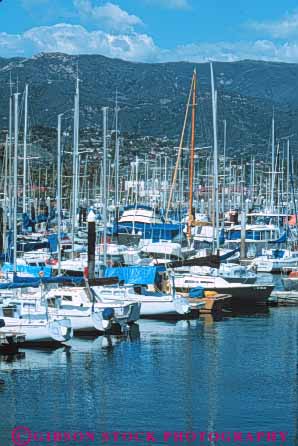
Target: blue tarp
x,y
136,275
197,292
25,282
33,270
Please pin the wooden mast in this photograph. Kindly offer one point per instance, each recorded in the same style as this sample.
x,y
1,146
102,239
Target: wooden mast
x,y
179,151
192,154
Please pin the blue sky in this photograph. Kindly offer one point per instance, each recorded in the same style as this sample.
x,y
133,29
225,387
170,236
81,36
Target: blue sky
x,y
152,30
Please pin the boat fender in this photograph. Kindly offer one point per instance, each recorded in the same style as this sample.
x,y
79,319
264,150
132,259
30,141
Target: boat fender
x,y
108,313
2,323
167,287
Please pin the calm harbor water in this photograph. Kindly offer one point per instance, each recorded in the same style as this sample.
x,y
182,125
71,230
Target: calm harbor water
x,y
236,374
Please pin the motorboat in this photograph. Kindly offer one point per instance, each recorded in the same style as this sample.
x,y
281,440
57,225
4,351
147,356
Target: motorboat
x,y
274,260
241,293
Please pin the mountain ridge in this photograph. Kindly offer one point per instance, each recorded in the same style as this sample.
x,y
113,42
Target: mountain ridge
x,y
152,96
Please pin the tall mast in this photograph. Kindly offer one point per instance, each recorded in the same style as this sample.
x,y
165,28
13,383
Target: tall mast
x,y
253,180
15,179
272,162
165,183
25,149
288,177
75,166
104,200
59,192
192,154
10,156
117,150
215,157
179,151
117,144
5,196
224,173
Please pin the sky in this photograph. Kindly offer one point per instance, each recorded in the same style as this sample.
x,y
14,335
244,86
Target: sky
x,y
152,30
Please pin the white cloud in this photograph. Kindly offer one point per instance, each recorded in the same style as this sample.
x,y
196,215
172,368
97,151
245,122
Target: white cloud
x,y
75,39
172,4
286,27
232,51
109,15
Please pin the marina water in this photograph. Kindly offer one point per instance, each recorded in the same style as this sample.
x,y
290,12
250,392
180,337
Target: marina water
x,y
235,374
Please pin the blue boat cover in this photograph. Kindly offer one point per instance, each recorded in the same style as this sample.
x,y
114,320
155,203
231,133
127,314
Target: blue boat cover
x,y
228,254
13,285
151,231
221,237
32,270
136,275
196,292
278,253
53,242
25,282
282,238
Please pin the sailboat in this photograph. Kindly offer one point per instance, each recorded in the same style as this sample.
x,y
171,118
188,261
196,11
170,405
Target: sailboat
x,y
35,324
153,303
75,304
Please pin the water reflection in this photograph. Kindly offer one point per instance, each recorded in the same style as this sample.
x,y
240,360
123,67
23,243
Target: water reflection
x,y
232,373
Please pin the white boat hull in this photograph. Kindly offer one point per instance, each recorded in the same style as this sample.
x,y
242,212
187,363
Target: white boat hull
x,y
40,331
272,266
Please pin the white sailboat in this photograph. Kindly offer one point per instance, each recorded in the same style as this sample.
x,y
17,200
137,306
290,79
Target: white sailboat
x,y
152,303
88,314
35,324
